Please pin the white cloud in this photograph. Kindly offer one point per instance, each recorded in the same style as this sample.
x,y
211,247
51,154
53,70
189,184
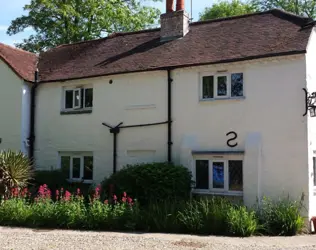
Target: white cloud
x,y
10,42
3,27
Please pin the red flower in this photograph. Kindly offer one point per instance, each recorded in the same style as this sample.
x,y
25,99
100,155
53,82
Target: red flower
x,y
97,189
129,200
57,194
114,197
106,202
123,199
15,192
78,191
124,194
24,192
67,195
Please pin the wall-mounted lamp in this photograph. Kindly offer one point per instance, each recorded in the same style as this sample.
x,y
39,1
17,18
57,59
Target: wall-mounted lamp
x,y
310,103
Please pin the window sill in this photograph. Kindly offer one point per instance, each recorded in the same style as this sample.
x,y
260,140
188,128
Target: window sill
x,y
75,112
223,99
208,192
80,181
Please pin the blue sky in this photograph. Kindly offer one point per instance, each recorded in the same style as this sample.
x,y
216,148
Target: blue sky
x,y
14,8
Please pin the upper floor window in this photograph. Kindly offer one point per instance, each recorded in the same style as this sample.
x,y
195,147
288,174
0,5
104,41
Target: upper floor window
x,y
222,86
78,98
224,175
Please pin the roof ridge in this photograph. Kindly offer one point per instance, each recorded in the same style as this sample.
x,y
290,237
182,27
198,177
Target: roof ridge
x,y
116,34
18,49
230,17
271,11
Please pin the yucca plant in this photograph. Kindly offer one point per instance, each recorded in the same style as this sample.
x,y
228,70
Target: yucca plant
x,y
15,171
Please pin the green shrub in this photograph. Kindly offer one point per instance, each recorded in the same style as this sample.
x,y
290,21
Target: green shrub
x,y
206,216
71,213
161,216
57,179
99,215
151,182
191,217
15,212
241,222
281,217
15,171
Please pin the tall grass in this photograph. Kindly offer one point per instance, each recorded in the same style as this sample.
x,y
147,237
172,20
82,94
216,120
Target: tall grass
x,y
281,217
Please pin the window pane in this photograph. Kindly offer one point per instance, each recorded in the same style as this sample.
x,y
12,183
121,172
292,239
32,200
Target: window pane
x,y
208,87
218,174
222,85
201,172
237,84
314,170
77,98
88,168
235,175
88,98
68,99
76,167
65,165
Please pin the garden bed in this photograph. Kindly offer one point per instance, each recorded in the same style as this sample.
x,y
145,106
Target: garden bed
x,y
211,216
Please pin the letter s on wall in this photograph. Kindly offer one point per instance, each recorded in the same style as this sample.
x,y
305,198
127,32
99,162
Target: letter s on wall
x,y
229,141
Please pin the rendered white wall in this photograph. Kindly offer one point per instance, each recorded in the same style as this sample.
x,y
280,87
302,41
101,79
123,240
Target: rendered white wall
x,y
311,87
271,111
132,99
269,123
10,108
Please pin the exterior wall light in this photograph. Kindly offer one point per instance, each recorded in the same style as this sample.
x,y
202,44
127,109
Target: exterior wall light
x,y
310,103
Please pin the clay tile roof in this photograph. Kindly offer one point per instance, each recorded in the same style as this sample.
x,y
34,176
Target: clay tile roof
x,y
266,34
23,63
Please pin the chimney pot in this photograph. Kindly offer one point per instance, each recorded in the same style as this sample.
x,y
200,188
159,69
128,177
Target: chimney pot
x,y
169,6
180,5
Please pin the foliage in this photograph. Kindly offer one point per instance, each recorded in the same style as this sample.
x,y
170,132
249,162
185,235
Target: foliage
x,y
152,181
298,7
198,216
161,216
206,216
227,8
15,212
58,22
241,222
281,217
57,179
15,171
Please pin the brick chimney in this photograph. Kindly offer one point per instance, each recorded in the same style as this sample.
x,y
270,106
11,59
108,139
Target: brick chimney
x,y
174,24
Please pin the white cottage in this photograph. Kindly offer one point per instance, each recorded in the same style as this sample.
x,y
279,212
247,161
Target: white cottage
x,y
225,98
17,69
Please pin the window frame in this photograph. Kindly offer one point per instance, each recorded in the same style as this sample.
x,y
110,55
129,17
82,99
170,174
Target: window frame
x,y
82,98
211,159
215,87
81,156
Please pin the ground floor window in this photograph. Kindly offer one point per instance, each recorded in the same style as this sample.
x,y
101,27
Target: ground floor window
x,y
219,175
79,166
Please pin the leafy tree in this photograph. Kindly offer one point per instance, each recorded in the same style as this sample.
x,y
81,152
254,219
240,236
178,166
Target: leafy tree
x,y
226,9
298,7
58,22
